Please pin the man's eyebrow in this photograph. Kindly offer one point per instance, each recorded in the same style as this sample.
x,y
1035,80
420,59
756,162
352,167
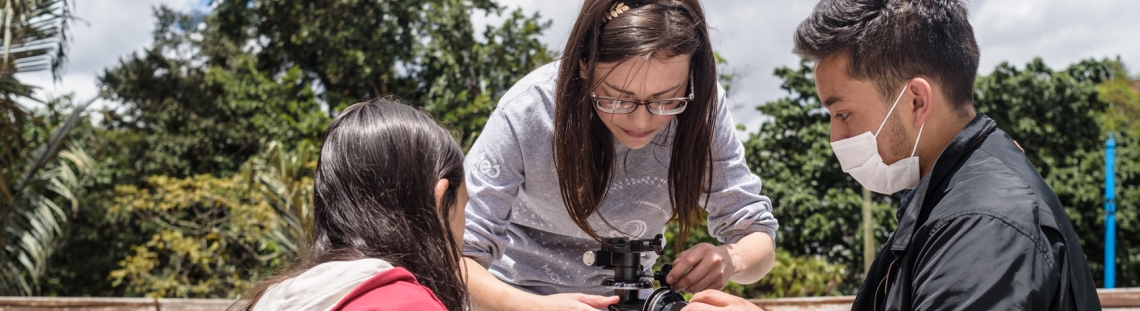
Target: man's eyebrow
x,y
619,90
828,102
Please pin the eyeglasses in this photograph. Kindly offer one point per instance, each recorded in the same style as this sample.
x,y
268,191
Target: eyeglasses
x,y
663,107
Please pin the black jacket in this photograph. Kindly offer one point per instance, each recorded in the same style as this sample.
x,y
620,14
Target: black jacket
x,y
982,231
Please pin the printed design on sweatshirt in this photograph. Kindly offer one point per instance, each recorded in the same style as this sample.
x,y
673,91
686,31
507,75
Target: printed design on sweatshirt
x,y
554,277
640,211
667,213
488,167
634,228
648,181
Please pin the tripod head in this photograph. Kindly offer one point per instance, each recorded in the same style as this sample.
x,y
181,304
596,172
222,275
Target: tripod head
x,y
623,256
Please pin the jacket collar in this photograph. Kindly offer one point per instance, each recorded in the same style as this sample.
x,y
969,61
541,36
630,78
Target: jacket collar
x,y
912,213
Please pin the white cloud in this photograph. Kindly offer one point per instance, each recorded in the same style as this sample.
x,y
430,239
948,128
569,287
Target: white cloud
x,y
756,36
1061,32
561,14
106,30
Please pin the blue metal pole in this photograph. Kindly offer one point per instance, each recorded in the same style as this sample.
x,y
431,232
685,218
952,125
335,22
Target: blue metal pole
x,y
1110,214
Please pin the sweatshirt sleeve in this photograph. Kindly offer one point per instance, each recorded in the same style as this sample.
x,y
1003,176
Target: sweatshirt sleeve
x,y
494,168
735,205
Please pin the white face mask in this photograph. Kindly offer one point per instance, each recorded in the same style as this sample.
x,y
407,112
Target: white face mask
x,y
859,157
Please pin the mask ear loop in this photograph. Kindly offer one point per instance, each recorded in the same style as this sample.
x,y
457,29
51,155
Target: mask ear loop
x,y
896,104
916,138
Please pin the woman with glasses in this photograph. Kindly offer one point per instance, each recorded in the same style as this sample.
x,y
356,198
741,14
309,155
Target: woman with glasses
x,y
625,132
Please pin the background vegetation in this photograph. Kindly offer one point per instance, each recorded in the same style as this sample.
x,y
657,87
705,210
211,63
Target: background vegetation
x,y
199,183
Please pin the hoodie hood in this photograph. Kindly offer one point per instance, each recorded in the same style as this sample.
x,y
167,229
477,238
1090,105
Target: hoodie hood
x,y
321,287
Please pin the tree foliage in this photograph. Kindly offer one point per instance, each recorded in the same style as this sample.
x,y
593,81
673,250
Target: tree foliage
x,y
35,176
216,89
41,189
424,51
200,106
213,237
36,34
200,182
1123,97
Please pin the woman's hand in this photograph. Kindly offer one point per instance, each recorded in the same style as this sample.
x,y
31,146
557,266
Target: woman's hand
x,y
702,267
714,300
572,301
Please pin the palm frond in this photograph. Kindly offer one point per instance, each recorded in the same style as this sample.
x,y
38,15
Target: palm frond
x,y
48,151
33,230
280,175
33,220
35,35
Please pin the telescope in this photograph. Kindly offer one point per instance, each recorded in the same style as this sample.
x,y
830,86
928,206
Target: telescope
x,y
623,256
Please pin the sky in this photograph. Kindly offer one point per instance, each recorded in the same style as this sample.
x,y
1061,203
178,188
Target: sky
x,y
105,32
755,36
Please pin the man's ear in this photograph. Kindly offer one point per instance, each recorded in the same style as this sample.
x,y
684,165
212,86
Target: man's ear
x,y
440,189
922,100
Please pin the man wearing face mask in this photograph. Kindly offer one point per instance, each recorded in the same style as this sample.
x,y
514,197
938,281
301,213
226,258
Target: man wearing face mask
x,y
980,229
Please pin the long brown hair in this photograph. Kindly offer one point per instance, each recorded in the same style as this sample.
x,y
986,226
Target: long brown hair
x,y
374,198
583,146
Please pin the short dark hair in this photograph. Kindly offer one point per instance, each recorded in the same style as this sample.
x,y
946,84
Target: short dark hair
x,y
890,41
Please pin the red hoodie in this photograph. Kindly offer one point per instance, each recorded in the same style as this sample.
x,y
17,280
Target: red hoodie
x,y
394,289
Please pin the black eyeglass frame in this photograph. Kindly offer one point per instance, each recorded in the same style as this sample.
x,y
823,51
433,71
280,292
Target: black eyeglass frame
x,y
653,105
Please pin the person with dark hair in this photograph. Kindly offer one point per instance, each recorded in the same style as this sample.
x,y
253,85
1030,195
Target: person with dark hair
x,y
626,131
979,229
388,200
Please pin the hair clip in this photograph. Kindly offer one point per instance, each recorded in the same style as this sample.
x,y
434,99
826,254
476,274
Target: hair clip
x,y
616,10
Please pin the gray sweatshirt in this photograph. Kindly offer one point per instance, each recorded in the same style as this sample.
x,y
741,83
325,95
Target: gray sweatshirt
x,y
517,225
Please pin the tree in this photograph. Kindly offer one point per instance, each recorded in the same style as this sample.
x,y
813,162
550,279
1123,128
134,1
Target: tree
x,y
215,89
1123,97
32,214
213,237
215,86
424,51
198,105
1051,114
35,35
36,177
